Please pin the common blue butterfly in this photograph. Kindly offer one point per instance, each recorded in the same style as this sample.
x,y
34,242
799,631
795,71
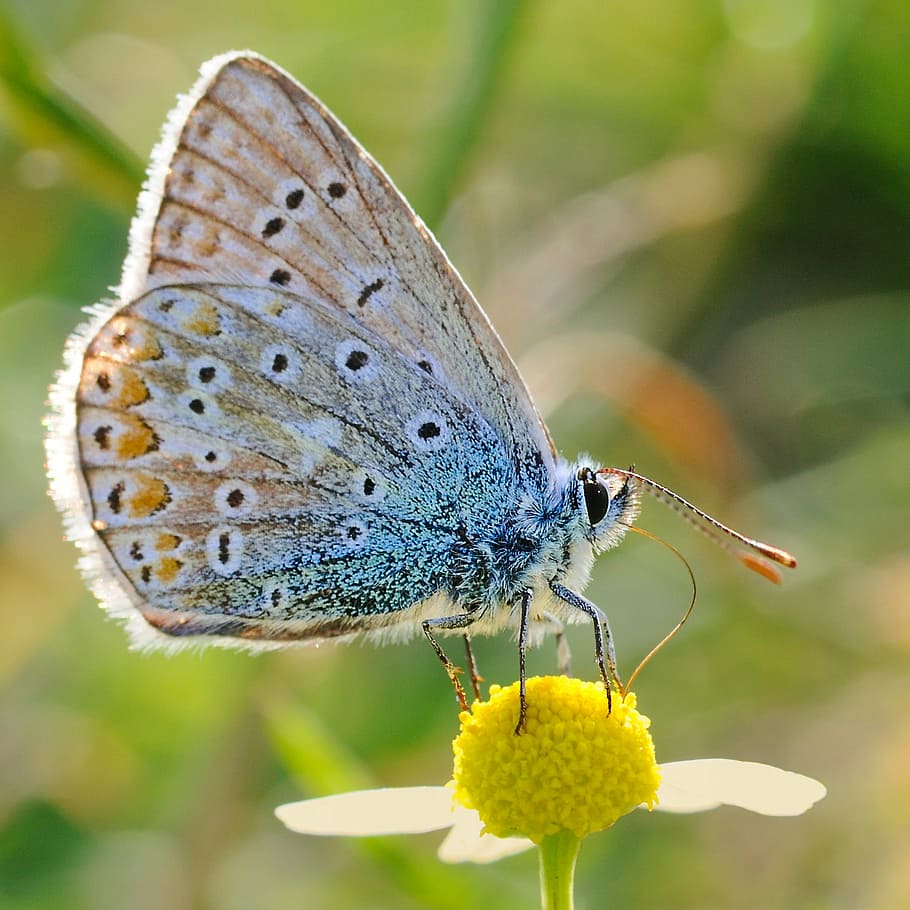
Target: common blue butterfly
x,y
296,423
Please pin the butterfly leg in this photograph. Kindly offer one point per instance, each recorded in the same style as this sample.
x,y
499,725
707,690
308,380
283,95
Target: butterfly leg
x,y
526,596
476,678
449,623
606,658
563,654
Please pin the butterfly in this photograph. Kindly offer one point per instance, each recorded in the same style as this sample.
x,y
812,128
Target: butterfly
x,y
296,423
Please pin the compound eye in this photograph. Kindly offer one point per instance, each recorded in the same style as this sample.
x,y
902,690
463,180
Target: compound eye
x,y
597,500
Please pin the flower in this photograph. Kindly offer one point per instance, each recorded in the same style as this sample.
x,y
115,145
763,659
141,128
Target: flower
x,y
574,770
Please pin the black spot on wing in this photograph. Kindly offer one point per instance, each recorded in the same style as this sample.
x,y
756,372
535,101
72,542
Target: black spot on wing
x,y
369,290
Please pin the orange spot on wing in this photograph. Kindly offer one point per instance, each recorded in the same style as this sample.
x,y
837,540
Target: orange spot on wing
x,y
126,340
167,541
133,341
204,320
130,388
167,569
145,347
151,495
135,438
109,383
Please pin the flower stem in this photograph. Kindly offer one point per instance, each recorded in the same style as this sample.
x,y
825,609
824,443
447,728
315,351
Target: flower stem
x,y
558,853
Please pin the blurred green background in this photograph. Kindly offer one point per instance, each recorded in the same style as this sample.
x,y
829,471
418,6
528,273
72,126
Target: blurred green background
x,y
690,222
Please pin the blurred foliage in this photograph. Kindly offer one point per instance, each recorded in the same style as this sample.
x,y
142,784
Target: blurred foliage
x,y
691,225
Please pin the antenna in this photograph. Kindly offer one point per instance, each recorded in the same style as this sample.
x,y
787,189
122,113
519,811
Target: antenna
x,y
742,547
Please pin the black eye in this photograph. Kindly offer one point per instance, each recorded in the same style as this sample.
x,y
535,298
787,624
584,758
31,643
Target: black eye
x,y
597,500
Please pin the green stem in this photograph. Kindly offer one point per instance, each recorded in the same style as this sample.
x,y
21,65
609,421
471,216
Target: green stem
x,y
558,853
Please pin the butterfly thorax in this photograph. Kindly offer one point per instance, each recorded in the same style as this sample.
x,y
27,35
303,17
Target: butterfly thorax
x,y
542,539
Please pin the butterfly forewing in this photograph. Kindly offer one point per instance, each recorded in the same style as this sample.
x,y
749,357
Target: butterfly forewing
x,y
266,188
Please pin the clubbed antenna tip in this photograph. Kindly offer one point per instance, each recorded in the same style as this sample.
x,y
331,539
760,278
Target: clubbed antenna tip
x,y
753,554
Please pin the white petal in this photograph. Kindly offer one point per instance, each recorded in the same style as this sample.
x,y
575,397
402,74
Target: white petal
x,y
363,813
693,786
465,843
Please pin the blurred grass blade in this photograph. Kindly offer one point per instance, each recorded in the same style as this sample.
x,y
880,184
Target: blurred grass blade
x,y
24,76
496,29
317,760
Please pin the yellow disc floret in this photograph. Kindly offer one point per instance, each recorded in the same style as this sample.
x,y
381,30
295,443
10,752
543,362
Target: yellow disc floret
x,y
574,768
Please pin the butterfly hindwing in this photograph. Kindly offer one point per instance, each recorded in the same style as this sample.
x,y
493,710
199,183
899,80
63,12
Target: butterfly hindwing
x,y
242,474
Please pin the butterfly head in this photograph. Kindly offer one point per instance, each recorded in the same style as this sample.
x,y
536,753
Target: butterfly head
x,y
609,504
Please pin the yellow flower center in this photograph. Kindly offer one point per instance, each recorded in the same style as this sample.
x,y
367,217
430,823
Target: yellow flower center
x,y
574,768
